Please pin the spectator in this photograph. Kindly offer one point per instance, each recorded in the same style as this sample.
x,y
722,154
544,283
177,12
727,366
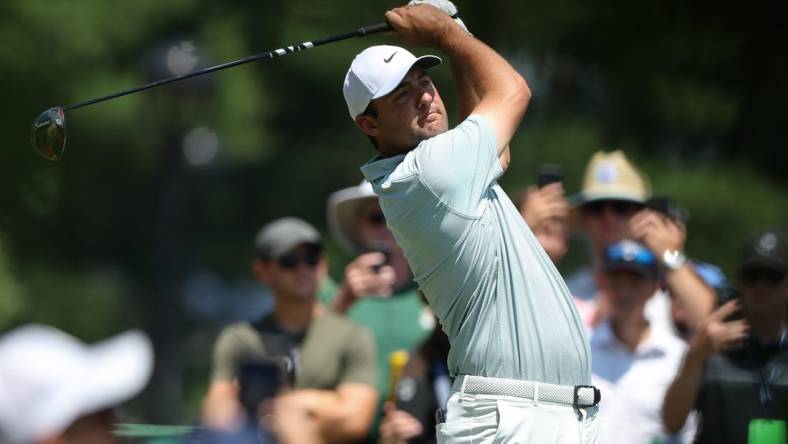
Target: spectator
x,y
735,373
55,389
609,209
334,358
633,364
377,289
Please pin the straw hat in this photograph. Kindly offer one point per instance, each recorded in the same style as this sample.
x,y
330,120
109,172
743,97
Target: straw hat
x,y
342,209
611,176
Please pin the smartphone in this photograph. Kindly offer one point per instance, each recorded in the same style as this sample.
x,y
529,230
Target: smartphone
x,y
666,206
259,380
380,247
549,173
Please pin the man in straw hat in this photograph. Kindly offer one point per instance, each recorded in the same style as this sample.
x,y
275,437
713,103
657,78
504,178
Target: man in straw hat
x,y
611,206
519,352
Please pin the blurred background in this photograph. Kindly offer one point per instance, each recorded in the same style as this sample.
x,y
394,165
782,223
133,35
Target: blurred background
x,y
148,219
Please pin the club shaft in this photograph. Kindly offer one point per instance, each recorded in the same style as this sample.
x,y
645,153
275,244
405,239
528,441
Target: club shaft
x,y
360,32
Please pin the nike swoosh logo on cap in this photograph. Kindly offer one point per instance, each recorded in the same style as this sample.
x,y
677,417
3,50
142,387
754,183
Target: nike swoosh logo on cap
x,y
390,57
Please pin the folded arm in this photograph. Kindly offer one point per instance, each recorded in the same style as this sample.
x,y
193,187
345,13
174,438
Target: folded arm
x,y
342,415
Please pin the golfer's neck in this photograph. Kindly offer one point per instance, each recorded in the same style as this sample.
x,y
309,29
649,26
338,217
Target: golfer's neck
x,y
387,150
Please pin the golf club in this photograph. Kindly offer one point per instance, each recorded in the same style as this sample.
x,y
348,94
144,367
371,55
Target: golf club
x,y
48,135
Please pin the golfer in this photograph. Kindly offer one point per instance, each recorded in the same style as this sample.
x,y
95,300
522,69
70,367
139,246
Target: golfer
x,y
519,353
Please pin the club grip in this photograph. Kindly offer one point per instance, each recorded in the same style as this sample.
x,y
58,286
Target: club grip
x,y
374,29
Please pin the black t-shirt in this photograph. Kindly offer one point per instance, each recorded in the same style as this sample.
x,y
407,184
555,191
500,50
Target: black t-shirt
x,y
732,392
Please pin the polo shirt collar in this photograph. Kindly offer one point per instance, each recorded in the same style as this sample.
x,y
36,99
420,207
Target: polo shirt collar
x,y
379,166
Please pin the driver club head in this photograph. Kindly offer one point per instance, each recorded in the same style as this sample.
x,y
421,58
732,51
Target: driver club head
x,y
48,135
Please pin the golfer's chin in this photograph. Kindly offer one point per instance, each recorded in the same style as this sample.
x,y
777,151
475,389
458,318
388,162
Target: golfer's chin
x,y
431,127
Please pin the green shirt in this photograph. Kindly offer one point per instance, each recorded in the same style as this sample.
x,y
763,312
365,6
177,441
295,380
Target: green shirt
x,y
398,322
333,350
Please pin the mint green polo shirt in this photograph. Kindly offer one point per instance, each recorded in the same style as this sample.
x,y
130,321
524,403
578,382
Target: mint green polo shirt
x,y
500,299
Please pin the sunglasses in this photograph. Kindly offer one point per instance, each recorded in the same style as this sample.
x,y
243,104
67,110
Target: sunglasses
x,y
619,207
291,261
768,276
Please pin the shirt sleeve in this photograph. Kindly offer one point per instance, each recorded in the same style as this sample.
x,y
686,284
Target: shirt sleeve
x,y
460,165
230,349
359,364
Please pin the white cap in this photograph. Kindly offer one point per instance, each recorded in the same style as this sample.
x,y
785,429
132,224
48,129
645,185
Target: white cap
x,y
49,379
376,71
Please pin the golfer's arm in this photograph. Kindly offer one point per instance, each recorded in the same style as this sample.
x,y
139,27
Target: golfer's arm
x,y
683,392
468,99
697,297
490,86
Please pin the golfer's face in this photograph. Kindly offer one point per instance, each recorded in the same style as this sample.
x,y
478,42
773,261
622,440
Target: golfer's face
x,y
412,112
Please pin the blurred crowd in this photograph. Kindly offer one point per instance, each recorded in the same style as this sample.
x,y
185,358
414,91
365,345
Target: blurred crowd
x,y
680,352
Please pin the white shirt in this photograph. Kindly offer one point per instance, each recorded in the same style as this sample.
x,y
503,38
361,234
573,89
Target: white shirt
x,y
583,286
634,384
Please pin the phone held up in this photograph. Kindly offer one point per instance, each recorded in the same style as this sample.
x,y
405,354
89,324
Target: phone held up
x,y
261,379
549,173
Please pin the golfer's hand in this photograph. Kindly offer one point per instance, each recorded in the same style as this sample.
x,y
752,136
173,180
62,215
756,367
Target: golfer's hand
x,y
444,5
659,233
716,335
422,25
397,427
365,276
543,204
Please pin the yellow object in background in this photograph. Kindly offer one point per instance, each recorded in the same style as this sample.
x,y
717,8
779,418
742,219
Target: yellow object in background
x,y
397,361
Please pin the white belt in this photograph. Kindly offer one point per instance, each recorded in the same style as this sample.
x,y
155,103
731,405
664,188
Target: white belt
x,y
577,396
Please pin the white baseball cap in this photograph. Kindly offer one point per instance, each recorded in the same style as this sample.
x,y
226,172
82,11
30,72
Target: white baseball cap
x,y
376,71
49,379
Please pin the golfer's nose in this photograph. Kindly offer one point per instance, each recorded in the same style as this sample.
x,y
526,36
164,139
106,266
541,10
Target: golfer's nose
x,y
425,97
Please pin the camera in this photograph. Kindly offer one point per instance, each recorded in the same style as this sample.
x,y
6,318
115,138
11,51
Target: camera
x,y
380,247
668,207
549,173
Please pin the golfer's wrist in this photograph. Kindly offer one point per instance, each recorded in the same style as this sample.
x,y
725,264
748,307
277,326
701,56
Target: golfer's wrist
x,y
450,36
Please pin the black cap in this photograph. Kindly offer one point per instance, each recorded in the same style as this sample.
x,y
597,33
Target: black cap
x,y
766,249
282,235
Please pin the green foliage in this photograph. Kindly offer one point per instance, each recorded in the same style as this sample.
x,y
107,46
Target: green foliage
x,y
11,292
107,238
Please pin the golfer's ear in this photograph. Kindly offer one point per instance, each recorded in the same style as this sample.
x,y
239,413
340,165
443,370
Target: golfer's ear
x,y
368,125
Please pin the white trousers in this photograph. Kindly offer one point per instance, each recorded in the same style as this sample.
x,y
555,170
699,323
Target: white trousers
x,y
486,419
